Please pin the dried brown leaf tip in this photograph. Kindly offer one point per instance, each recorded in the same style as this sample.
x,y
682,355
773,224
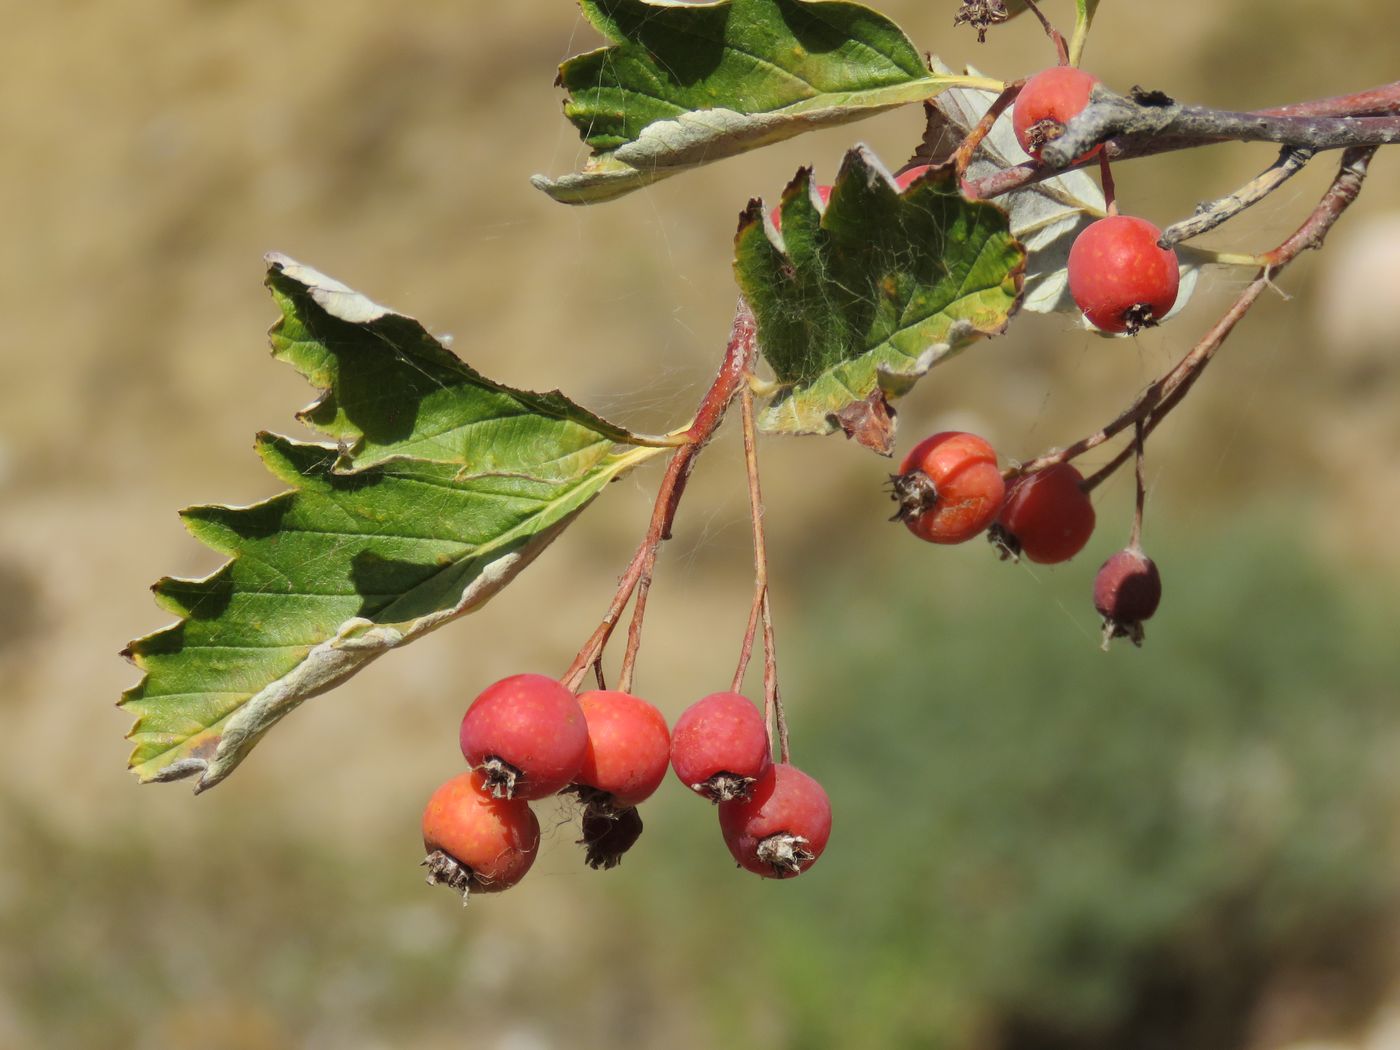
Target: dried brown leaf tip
x,y
870,422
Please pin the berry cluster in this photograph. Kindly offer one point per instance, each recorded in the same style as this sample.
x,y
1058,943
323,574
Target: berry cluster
x,y
1118,275
949,489
528,737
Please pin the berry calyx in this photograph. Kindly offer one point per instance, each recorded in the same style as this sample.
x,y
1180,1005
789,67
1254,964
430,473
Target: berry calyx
x,y
476,842
628,747
527,735
949,487
1127,591
608,834
719,746
1048,101
1047,517
782,828
1118,276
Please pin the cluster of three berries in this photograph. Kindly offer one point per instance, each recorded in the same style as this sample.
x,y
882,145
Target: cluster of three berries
x,y
950,489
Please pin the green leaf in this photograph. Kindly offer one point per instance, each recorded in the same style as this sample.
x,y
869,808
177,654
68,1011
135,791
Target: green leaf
x,y
864,298
442,487
684,85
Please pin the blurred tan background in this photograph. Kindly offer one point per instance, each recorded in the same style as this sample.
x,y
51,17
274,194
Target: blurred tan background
x,y
155,149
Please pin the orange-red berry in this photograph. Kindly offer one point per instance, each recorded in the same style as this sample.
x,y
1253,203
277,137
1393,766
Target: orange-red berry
x,y
949,487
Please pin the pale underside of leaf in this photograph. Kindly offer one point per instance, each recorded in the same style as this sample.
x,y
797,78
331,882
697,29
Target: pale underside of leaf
x,y
699,137
681,85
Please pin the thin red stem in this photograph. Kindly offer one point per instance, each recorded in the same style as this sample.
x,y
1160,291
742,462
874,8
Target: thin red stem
x,y
761,609
1056,37
1139,438
738,359
1110,192
962,156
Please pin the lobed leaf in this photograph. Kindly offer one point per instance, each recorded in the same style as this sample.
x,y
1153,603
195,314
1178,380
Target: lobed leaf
x,y
685,84
443,486
855,303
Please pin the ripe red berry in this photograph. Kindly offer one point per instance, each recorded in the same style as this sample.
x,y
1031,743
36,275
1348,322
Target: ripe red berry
x,y
629,747
949,487
527,734
1127,591
823,194
1048,516
780,830
1048,102
1119,277
719,746
905,179
474,841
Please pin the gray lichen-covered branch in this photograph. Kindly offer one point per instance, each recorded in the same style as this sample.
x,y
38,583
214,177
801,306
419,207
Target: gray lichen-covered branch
x,y
1151,116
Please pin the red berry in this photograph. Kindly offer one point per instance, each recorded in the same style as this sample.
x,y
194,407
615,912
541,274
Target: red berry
x,y
1119,277
905,179
949,487
719,746
780,830
1127,591
474,841
1048,516
1049,101
528,735
628,748
823,194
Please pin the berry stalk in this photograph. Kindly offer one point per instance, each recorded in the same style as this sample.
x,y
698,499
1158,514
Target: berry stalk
x,y
636,579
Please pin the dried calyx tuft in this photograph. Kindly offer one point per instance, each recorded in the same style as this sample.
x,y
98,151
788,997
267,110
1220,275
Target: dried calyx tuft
x,y
608,833
500,777
786,853
915,493
725,787
446,871
980,14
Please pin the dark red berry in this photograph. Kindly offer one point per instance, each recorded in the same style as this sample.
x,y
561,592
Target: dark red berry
x,y
1127,591
1119,277
719,746
782,828
527,734
949,487
1047,517
476,842
1048,101
628,748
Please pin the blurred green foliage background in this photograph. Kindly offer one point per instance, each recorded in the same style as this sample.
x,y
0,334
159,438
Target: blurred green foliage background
x,y
1037,846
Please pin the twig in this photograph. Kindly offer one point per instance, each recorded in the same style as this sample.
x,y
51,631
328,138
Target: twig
x,y
1158,400
738,359
1211,214
1139,438
1056,37
1152,115
1371,102
761,610
962,156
